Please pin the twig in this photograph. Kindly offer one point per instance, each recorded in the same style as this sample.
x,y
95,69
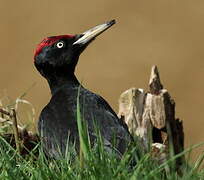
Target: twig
x,y
2,120
5,112
15,130
7,121
2,117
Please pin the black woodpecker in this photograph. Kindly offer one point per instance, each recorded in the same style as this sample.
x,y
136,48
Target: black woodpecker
x,y
56,58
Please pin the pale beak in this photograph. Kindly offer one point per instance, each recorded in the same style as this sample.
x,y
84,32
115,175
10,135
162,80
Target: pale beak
x,y
94,32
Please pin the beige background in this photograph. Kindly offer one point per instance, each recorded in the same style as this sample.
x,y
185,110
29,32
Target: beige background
x,y
168,33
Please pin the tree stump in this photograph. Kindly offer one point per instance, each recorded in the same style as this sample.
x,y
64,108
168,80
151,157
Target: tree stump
x,y
150,116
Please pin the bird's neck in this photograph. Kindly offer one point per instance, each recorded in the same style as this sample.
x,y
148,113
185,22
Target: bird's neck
x,y
60,81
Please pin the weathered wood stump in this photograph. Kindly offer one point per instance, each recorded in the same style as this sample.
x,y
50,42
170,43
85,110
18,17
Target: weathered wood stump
x,y
150,116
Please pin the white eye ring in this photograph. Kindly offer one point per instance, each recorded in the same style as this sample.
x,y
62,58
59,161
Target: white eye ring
x,y
60,44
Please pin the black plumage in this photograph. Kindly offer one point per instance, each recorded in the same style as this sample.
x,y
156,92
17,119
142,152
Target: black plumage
x,y
56,58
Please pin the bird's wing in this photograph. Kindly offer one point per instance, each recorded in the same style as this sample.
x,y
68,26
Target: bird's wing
x,y
100,105
110,125
109,108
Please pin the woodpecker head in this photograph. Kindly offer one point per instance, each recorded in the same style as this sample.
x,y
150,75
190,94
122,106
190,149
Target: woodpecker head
x,y
59,54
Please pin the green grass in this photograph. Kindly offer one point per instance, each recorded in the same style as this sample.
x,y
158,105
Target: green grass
x,y
99,165
94,163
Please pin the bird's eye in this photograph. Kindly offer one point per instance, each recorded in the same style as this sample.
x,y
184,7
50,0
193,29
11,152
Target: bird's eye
x,y
60,44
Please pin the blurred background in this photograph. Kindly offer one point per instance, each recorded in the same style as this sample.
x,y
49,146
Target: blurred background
x,y
166,33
